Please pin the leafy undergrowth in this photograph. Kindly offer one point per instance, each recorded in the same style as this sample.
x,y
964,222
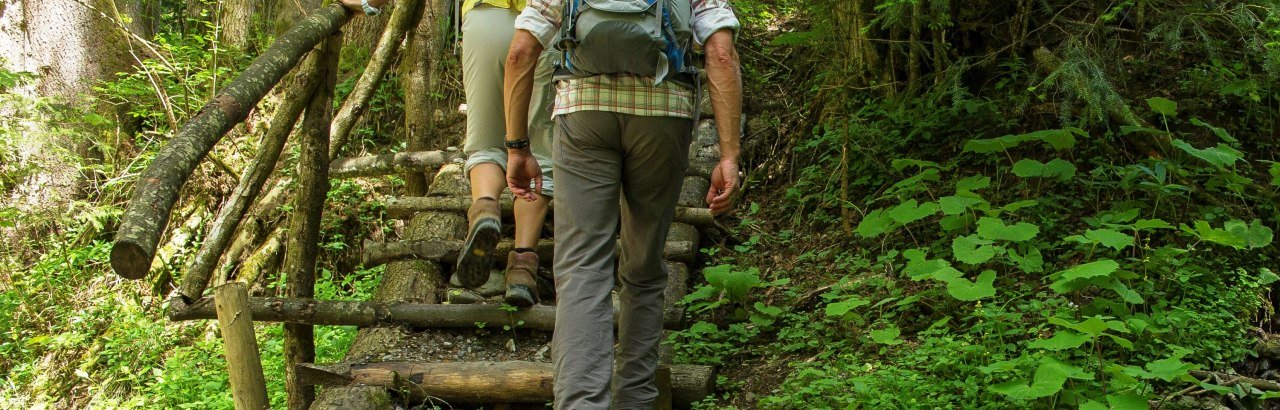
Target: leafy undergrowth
x,y
1041,269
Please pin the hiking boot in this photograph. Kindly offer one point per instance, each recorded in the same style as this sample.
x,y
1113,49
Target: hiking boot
x,y
476,255
521,289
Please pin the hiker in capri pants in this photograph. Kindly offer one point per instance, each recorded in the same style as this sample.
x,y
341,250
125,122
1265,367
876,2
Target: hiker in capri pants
x,y
617,137
487,29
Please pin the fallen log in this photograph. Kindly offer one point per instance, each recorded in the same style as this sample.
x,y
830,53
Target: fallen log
x,y
388,164
356,103
378,253
404,208
147,215
366,314
482,382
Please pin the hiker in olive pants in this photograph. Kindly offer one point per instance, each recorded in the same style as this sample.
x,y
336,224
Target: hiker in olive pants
x,y
618,136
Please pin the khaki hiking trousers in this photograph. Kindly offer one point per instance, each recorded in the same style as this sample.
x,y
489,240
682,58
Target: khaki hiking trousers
x,y
486,38
601,159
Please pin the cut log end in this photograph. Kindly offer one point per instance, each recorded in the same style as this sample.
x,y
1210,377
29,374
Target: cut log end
x,y
129,260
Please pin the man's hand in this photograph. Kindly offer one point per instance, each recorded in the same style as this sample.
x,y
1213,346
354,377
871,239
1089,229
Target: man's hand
x,y
522,167
724,184
355,4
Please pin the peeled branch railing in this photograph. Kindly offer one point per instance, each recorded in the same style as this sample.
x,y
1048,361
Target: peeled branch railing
x,y
147,215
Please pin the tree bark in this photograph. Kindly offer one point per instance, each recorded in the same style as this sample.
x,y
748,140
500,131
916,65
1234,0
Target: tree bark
x,y
145,219
388,164
358,100
244,367
302,246
422,79
236,23
402,208
484,382
224,226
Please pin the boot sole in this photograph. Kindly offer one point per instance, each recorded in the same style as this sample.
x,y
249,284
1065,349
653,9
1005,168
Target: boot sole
x,y
519,295
476,256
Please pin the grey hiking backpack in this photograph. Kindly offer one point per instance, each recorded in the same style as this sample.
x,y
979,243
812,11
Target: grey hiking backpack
x,y
642,37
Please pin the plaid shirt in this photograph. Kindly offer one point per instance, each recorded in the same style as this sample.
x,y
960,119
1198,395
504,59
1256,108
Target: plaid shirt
x,y
624,93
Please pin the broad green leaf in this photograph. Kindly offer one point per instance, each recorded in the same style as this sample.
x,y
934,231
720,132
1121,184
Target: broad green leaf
x,y
955,204
963,289
888,335
972,250
975,183
1221,156
735,283
987,146
1122,290
937,269
1170,368
1220,132
1062,340
995,229
911,211
955,222
1266,276
1099,268
1110,238
1015,206
1032,262
840,308
874,224
1093,405
1258,235
1147,224
1127,401
1092,327
1047,381
1275,173
1163,106
902,163
1056,168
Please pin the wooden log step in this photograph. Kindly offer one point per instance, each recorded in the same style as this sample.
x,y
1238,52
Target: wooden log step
x,y
378,253
388,164
404,208
482,382
364,314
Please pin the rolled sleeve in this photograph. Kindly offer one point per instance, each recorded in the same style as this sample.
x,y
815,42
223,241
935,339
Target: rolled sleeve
x,y
710,16
542,19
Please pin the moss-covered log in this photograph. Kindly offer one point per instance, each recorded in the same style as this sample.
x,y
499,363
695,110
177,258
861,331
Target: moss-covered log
x,y
388,164
224,226
484,382
403,208
147,215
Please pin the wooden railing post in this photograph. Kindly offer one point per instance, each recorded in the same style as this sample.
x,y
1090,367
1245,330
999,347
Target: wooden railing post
x,y
235,319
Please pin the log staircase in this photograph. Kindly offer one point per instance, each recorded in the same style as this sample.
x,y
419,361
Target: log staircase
x,y
422,341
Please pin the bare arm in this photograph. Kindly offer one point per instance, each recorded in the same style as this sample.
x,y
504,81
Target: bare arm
x,y
522,167
724,72
355,4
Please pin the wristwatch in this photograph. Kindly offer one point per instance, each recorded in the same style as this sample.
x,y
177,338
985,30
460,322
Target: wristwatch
x,y
517,144
369,10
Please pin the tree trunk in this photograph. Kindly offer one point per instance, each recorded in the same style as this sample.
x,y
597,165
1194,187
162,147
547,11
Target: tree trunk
x,y
302,246
423,75
145,219
485,382
236,26
198,274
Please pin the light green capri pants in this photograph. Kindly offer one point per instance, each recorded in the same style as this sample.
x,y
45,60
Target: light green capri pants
x,y
486,38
